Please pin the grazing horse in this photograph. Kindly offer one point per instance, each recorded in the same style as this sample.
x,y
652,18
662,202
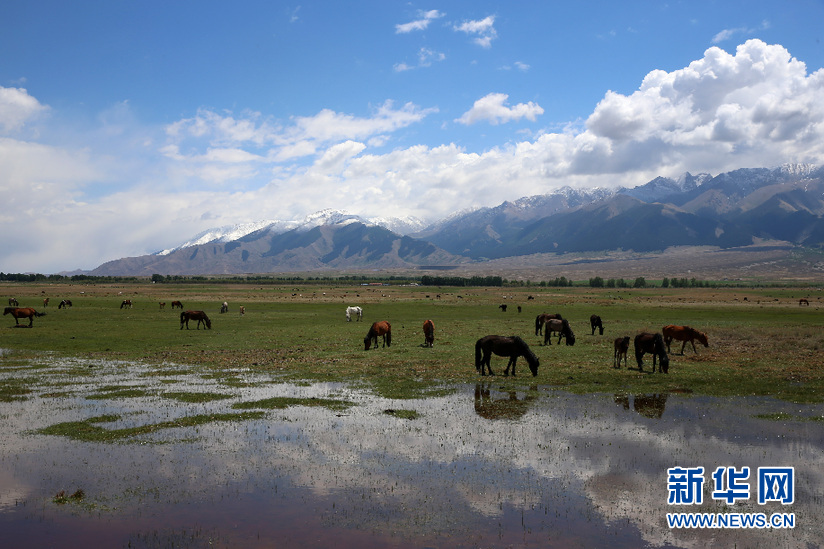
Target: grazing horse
x,y
428,333
511,347
357,311
803,301
22,312
685,334
177,304
382,328
595,322
242,310
200,316
541,319
224,308
45,302
646,342
65,304
126,303
162,305
562,328
13,302
502,307
621,347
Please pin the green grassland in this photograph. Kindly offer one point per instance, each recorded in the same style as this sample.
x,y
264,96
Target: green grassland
x,y
761,341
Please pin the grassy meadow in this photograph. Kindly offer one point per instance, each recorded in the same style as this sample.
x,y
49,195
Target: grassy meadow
x,y
761,342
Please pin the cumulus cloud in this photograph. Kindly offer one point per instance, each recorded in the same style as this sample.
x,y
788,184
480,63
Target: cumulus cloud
x,y
493,109
482,30
758,106
17,107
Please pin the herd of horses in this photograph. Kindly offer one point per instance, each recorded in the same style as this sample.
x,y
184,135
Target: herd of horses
x,y
512,347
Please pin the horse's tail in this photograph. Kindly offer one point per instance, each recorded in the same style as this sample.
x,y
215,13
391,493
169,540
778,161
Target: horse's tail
x,y
389,337
182,316
538,325
478,355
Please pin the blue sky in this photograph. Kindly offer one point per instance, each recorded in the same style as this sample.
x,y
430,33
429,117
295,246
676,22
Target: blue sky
x,y
128,127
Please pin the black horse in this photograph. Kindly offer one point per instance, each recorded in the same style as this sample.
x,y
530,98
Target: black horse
x,y
595,322
511,347
651,343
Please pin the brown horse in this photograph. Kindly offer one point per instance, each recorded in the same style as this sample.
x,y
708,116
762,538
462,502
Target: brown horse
x,y
22,312
511,347
162,305
13,302
621,347
803,301
65,304
378,329
126,303
562,328
541,319
595,322
685,334
177,304
428,333
45,302
200,316
646,342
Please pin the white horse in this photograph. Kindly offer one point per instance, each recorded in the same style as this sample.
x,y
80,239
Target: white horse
x,y
357,311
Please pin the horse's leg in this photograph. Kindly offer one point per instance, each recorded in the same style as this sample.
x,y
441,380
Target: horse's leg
x,y
684,344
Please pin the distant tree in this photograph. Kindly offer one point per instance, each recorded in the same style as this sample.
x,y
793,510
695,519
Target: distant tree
x,y
596,282
640,282
665,283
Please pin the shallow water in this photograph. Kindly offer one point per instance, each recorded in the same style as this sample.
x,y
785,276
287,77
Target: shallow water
x,y
479,468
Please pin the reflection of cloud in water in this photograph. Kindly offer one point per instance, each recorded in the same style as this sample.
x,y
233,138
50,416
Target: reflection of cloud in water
x,y
588,465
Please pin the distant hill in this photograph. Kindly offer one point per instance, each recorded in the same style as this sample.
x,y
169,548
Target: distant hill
x,y
729,210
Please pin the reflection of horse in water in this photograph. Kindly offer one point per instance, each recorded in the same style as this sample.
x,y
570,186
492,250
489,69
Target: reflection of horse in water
x,y
428,333
378,329
563,330
510,407
200,316
541,319
511,347
651,406
22,312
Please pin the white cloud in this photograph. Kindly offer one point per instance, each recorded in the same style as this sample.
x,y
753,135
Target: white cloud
x,y
17,108
756,107
419,24
492,108
483,30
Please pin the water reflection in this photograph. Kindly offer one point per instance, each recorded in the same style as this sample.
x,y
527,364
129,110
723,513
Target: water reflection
x,y
651,406
489,406
562,470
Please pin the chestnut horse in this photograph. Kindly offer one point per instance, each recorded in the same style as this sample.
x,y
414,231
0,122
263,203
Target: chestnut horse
x,y
382,328
646,342
541,319
685,334
200,316
177,304
22,312
621,347
428,333
562,328
511,347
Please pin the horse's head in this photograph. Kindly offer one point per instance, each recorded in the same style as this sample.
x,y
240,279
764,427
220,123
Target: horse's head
x,y
702,338
208,322
367,343
663,362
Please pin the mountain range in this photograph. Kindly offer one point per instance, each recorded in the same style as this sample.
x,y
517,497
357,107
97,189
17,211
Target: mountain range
x,y
732,209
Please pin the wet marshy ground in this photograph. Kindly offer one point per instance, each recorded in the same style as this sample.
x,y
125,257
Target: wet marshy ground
x,y
147,456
